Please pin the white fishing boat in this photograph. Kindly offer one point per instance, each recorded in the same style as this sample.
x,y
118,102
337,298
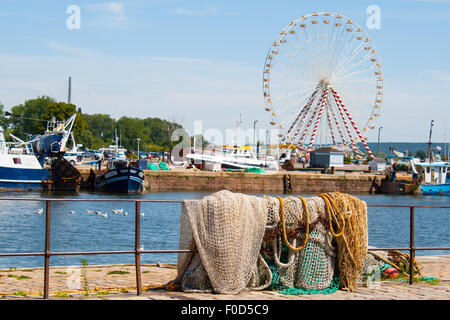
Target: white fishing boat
x,y
22,163
237,157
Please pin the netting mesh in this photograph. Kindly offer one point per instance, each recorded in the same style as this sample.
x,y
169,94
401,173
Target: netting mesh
x,y
300,246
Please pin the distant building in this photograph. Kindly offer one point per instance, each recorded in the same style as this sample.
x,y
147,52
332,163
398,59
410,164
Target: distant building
x,y
326,158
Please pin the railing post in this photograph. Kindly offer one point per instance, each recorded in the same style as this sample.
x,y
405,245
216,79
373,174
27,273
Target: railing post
x,y
47,248
137,247
412,249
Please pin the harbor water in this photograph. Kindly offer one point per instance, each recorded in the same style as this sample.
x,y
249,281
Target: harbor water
x,y
74,229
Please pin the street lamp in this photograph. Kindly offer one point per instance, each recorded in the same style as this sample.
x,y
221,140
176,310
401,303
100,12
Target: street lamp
x,y
378,145
138,139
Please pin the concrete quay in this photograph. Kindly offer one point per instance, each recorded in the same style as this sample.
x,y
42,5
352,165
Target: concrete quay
x,y
357,181
117,282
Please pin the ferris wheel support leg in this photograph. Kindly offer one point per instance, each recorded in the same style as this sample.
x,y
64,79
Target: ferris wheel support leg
x,y
352,140
306,129
338,128
302,112
319,116
330,126
335,94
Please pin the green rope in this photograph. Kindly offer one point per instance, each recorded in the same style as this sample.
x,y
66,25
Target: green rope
x,y
334,286
276,285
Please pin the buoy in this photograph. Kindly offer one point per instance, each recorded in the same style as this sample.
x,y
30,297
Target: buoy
x,y
390,273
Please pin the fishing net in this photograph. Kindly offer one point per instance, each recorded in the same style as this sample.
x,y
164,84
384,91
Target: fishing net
x,y
296,245
227,230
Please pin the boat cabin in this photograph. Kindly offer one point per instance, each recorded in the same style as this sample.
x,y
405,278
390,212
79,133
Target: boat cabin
x,y
238,151
433,173
117,163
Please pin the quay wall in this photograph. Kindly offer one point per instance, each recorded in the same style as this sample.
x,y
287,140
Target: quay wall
x,y
247,182
271,183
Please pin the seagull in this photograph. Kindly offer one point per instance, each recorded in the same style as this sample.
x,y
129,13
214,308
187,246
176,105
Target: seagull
x,y
89,211
71,212
104,215
39,210
98,212
142,214
125,213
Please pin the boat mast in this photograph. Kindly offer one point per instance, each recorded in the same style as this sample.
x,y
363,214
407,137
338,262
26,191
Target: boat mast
x,y
430,148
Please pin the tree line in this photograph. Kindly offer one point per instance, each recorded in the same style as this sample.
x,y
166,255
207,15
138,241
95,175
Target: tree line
x,y
93,131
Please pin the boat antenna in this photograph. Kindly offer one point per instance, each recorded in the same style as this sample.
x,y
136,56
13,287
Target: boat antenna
x,y
430,149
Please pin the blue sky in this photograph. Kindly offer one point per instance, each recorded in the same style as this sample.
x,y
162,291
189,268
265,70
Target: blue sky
x,y
203,60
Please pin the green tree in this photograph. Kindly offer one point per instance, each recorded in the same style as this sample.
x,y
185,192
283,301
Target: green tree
x,y
421,154
27,119
102,128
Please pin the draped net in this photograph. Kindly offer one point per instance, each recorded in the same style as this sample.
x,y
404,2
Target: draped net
x,y
241,243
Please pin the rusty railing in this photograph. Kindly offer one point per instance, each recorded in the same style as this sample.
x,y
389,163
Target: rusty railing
x,y
137,251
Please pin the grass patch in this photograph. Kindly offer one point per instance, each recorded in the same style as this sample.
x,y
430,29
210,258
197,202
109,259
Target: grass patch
x,y
18,277
62,294
20,293
102,292
60,272
117,272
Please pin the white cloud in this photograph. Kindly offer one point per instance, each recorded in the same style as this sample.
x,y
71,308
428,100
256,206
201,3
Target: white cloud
x,y
179,60
189,12
109,13
440,77
69,50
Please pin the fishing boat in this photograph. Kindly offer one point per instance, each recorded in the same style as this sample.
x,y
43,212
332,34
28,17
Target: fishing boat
x,y
434,172
235,157
434,178
118,176
20,168
22,162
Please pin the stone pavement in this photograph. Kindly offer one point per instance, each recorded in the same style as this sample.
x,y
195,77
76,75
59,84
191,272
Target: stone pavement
x,y
118,282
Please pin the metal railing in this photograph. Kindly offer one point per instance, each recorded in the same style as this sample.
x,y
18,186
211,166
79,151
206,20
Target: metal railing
x,y
137,248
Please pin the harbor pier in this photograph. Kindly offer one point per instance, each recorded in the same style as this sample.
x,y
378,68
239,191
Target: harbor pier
x,y
297,182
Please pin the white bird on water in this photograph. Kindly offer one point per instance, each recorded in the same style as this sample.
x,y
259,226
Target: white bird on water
x,y
39,210
142,214
104,215
71,212
125,213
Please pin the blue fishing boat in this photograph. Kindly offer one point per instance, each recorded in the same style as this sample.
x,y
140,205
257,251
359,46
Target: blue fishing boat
x,y
433,173
119,176
434,177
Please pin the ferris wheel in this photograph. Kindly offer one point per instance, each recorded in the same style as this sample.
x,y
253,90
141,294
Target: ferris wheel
x,y
323,82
